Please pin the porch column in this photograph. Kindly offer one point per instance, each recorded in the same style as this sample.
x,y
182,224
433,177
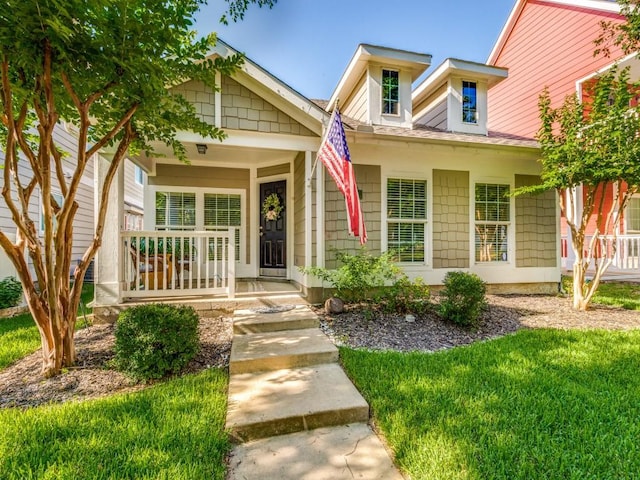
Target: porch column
x,y
320,241
308,207
108,261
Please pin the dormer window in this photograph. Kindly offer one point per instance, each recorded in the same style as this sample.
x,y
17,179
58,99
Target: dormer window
x,y
469,103
390,92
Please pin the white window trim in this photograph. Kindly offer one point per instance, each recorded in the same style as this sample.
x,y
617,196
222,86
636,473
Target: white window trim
x,y
510,224
427,222
627,230
475,82
136,170
382,99
150,213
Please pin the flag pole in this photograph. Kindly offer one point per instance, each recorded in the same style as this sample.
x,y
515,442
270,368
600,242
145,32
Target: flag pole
x,y
315,163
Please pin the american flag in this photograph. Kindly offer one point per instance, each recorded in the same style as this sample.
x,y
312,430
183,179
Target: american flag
x,y
334,153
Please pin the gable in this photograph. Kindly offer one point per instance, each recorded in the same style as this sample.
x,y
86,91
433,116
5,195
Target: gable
x,y
244,110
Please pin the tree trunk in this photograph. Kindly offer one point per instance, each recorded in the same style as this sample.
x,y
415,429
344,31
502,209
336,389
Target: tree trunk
x,y
579,300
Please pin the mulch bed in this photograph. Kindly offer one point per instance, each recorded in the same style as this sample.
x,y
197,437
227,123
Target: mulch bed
x,y
21,384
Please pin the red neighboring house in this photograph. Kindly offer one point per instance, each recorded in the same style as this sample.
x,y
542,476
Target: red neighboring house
x,y
551,44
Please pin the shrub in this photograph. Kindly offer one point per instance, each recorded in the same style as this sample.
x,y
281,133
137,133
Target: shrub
x,y
359,275
405,296
463,298
10,292
155,340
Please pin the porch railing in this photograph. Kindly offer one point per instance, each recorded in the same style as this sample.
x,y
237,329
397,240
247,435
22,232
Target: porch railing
x,y
177,263
627,252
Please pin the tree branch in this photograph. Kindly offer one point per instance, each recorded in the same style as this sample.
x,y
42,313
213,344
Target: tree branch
x,y
114,131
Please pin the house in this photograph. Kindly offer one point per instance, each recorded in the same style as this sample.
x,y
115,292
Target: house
x,y
84,221
433,182
550,44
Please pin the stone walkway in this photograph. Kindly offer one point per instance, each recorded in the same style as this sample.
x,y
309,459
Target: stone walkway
x,y
292,410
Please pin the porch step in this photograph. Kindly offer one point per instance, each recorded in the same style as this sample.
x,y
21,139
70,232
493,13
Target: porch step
x,y
257,352
292,400
339,453
264,320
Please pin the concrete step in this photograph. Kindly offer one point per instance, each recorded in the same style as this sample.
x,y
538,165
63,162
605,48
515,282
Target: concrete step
x,y
259,320
256,352
292,400
336,453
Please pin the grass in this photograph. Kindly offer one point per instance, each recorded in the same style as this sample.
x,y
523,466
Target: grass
x,y
618,294
19,335
173,430
541,404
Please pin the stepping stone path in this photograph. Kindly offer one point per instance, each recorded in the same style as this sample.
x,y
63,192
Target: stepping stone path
x,y
292,410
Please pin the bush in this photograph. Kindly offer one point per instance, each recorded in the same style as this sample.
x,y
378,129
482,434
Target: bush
x,y
359,275
405,296
10,292
463,298
155,340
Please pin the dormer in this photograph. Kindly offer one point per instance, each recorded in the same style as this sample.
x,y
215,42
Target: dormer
x,y
454,96
375,89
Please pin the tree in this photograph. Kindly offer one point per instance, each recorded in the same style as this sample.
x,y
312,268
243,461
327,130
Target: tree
x,y
588,147
103,66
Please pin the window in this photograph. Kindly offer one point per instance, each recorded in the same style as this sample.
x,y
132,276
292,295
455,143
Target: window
x,y
175,211
221,211
469,105
390,92
492,222
59,200
407,219
633,215
139,175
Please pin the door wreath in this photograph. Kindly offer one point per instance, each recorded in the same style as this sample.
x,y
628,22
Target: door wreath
x,y
271,207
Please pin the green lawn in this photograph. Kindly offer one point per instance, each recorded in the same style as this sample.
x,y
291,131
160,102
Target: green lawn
x,y
539,404
170,431
618,294
19,335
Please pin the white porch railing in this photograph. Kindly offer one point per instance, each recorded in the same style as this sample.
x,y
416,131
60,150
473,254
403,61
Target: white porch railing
x,y
627,255
177,263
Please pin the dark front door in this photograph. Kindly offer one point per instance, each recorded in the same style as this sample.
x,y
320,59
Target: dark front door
x,y
273,232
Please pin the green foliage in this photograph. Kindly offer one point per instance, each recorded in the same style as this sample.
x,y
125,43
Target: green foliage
x,y
591,142
538,404
404,296
155,340
358,275
463,298
174,430
10,292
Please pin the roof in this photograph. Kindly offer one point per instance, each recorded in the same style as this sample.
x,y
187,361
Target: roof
x,y
609,6
429,133
450,66
415,63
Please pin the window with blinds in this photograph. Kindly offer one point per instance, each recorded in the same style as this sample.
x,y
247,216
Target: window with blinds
x,y
175,211
222,211
407,219
492,208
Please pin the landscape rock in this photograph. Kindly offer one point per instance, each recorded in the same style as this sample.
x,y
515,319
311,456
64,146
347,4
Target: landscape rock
x,y
333,306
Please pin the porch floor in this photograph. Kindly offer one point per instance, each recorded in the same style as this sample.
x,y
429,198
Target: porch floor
x,y
250,293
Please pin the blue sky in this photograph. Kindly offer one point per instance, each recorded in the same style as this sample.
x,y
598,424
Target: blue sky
x,y
308,43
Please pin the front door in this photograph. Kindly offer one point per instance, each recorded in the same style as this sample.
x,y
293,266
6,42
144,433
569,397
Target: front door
x,y
273,232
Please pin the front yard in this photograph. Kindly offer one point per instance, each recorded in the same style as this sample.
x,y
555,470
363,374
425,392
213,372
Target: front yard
x,y
536,391
535,404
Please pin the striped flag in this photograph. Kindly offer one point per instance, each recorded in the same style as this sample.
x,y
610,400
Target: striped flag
x,y
334,153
